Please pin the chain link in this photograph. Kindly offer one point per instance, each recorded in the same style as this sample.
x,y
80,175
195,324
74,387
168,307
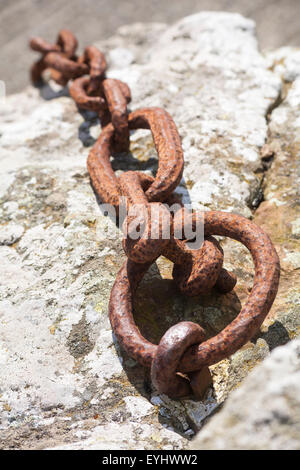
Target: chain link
x,y
179,364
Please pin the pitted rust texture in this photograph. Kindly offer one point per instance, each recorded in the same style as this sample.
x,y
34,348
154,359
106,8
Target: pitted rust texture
x,y
103,178
121,317
179,364
117,105
199,270
149,220
235,335
261,298
134,184
195,271
170,157
141,189
154,220
168,146
164,366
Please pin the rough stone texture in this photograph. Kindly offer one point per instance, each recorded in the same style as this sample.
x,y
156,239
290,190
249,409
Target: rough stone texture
x,y
264,413
279,213
273,421
64,381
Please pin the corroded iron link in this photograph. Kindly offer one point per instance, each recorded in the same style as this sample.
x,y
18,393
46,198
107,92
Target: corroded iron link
x,y
179,364
79,92
108,97
200,354
103,178
65,46
117,105
96,61
199,270
68,68
168,146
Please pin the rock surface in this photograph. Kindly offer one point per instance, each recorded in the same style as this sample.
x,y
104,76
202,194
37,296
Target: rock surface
x,y
264,413
64,381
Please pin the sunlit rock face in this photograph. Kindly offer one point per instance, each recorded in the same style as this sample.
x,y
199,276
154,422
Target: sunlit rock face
x,y
64,381
264,413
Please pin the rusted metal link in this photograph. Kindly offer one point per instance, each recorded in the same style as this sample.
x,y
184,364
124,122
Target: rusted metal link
x,y
67,67
103,103
133,185
237,333
164,366
263,293
169,173
79,92
68,45
152,219
171,348
108,97
103,178
65,46
117,105
167,143
197,271
96,61
67,42
168,146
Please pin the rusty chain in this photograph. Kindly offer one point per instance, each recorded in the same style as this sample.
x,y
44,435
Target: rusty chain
x,y
179,364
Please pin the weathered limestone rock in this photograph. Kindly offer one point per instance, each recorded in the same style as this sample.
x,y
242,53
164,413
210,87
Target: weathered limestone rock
x,y
264,413
64,381
279,213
